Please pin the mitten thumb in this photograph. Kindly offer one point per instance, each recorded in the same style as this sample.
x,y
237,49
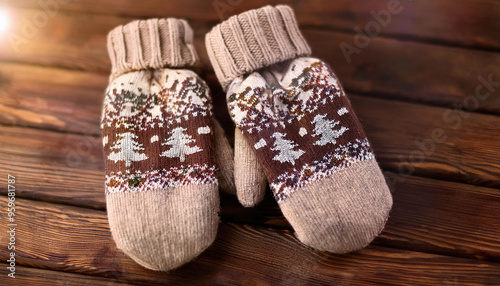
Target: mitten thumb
x,y
223,159
249,176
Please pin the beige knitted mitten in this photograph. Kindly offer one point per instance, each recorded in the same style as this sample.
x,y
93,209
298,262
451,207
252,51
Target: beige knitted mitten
x,y
161,186
299,126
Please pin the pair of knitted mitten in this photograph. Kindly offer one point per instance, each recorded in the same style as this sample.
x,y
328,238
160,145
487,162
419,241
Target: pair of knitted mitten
x,y
159,140
296,127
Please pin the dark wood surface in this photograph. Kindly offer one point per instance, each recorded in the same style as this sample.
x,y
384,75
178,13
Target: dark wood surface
x,y
410,81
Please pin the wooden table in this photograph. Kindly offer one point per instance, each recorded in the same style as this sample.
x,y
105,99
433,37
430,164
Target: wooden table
x,y
408,85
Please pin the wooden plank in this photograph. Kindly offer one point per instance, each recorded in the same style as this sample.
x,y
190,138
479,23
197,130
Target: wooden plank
x,y
432,141
53,166
65,40
443,76
423,207
428,216
404,70
78,240
51,98
469,23
35,277
444,217
64,100
68,161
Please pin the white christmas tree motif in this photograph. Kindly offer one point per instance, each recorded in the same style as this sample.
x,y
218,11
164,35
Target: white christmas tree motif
x,y
285,147
180,143
325,128
127,149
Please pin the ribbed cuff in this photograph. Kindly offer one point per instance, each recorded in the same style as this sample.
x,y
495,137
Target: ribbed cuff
x,y
154,43
253,40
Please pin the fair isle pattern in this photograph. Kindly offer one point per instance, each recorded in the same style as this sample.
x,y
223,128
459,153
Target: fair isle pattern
x,y
256,107
299,121
160,179
157,131
160,98
341,158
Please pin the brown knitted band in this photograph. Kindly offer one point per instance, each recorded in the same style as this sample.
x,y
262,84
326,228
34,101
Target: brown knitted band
x,y
253,40
154,43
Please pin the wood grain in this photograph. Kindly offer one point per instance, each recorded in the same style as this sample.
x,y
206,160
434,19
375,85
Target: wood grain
x,y
442,76
40,277
406,82
51,98
53,166
66,161
437,75
470,23
429,215
431,141
77,240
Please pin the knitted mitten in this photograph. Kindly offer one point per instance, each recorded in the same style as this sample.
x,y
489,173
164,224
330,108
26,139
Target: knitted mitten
x,y
161,186
295,116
